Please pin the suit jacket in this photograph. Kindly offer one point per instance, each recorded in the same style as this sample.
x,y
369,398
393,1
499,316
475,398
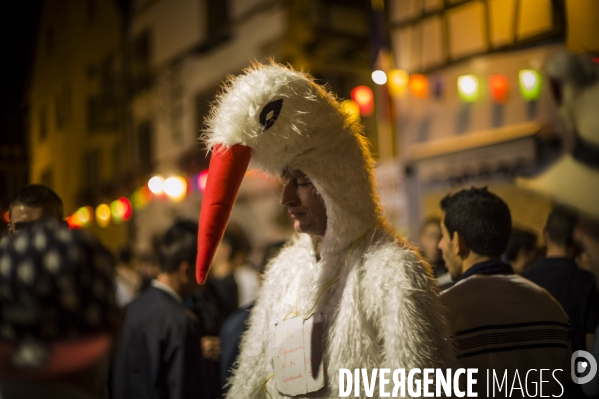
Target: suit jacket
x,y
158,354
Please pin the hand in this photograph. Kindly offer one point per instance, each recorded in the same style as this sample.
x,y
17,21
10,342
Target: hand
x,y
211,347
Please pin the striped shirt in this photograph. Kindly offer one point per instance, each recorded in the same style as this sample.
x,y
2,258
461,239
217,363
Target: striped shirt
x,y
504,322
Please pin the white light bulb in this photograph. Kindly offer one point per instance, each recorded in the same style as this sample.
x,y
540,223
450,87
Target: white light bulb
x,y
155,184
175,187
379,77
529,79
468,85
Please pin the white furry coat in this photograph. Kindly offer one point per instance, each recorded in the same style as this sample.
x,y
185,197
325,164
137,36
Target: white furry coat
x,y
382,313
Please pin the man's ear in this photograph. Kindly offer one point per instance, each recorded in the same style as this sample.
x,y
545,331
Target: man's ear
x,y
460,247
183,267
546,238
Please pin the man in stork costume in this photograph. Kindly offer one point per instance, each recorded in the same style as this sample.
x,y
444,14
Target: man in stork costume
x,y
360,292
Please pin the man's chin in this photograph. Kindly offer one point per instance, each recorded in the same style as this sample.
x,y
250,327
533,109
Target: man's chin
x,y
297,226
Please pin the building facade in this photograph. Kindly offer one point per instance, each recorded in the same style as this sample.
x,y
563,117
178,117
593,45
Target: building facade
x,y
488,129
192,47
76,125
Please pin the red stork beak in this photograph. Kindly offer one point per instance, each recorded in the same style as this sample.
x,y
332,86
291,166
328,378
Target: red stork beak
x,y
226,171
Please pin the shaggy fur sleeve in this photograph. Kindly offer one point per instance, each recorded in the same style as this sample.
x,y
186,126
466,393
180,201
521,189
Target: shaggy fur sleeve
x,y
402,297
252,369
254,365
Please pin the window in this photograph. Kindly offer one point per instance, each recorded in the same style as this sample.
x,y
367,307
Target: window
x,y
62,107
217,20
140,61
102,114
116,160
144,132
43,124
432,33
92,164
202,107
103,111
47,177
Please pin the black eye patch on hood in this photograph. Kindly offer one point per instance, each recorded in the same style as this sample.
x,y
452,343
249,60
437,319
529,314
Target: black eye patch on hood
x,y
270,113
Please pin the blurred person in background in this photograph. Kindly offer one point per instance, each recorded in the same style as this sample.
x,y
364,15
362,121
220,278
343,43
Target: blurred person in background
x,y
147,268
236,324
33,202
521,250
244,273
557,272
216,300
574,178
59,314
500,320
127,280
231,253
159,354
430,235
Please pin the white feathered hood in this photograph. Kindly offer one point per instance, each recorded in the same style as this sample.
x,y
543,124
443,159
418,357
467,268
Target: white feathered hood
x,y
289,121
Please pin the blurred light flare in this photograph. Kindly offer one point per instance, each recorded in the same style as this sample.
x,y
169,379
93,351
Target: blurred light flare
x,y
73,222
103,215
141,197
121,210
398,82
175,187
530,84
7,217
499,88
363,96
352,109
419,86
155,184
468,88
84,215
379,77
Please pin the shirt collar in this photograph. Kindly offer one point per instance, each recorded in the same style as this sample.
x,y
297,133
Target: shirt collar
x,y
489,267
167,289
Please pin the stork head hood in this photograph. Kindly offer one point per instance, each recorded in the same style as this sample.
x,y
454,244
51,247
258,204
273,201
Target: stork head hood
x,y
276,118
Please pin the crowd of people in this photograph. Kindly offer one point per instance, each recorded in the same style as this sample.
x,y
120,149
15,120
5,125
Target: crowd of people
x,y
477,294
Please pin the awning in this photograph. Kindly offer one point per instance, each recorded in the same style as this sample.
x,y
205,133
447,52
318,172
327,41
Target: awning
x,y
477,153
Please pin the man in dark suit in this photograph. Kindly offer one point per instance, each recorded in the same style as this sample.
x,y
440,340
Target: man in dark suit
x,y
559,274
159,353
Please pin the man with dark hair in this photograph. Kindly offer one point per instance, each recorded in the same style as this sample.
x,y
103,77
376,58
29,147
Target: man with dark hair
x,y
557,272
521,250
559,231
159,353
501,321
33,202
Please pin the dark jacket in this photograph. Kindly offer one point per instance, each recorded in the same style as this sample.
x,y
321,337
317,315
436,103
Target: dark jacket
x,y
574,289
158,354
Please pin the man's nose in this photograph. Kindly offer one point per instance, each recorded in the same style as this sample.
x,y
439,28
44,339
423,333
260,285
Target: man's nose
x,y
289,194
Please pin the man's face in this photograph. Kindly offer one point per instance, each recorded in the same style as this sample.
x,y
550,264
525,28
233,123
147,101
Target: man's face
x,y
450,249
587,234
304,204
22,218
